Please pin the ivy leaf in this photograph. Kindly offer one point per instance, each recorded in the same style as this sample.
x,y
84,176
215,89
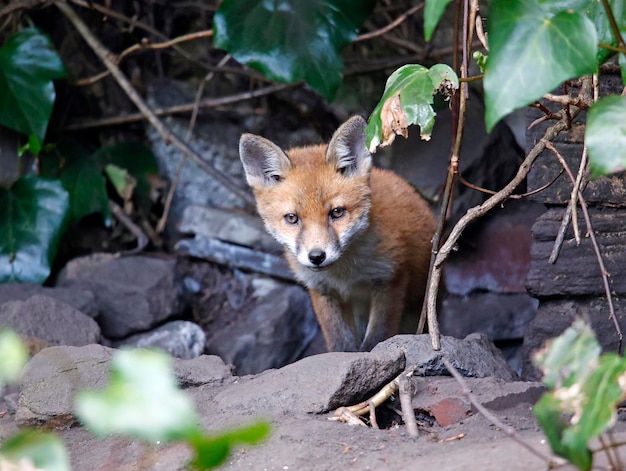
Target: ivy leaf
x,y
81,175
600,394
33,215
570,357
212,451
137,160
606,135
291,40
41,450
28,64
595,12
408,99
13,357
531,51
433,10
142,400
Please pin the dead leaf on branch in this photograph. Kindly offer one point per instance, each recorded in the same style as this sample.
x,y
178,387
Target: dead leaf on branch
x,y
394,120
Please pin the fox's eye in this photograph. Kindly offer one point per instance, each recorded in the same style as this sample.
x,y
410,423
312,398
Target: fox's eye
x,y
337,213
291,218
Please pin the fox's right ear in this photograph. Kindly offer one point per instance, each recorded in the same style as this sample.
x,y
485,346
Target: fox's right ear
x,y
263,161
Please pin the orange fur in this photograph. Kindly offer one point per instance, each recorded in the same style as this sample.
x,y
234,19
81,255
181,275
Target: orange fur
x,y
358,237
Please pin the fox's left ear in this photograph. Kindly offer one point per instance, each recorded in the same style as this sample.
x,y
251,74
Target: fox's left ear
x,y
347,149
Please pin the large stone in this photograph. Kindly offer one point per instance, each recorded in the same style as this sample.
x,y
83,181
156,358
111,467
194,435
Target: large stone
x,y
576,271
474,356
50,320
230,226
554,316
133,293
315,384
52,378
181,339
81,299
274,332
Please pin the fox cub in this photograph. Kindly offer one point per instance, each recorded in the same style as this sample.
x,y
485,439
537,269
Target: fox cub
x,y
359,238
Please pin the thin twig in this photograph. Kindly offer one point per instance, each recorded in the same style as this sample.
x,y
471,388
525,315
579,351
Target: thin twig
x,y
509,431
145,46
486,206
398,21
166,134
615,29
596,247
404,386
21,5
429,309
186,108
373,420
142,239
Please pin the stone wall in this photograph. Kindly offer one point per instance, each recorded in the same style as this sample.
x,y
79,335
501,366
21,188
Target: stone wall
x,y
572,286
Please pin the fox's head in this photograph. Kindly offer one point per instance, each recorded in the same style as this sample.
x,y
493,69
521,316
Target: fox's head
x,y
313,200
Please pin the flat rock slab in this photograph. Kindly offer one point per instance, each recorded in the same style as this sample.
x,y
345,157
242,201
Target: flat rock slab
x,y
52,378
315,384
474,356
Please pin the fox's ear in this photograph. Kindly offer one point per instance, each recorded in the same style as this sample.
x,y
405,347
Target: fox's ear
x,y
347,149
263,161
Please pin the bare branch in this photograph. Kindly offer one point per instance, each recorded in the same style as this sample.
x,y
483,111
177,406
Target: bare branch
x,y
166,134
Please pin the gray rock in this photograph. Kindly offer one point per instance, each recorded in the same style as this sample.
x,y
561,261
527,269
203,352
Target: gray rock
x,y
473,356
50,320
554,316
205,369
79,298
181,339
576,271
235,256
315,384
133,293
274,333
52,378
229,226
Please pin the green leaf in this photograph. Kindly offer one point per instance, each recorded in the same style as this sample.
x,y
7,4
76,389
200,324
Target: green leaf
x,y
550,418
142,400
570,357
408,99
210,452
595,12
433,11
33,214
291,40
28,64
81,175
43,450
121,180
532,51
13,357
606,135
600,394
138,160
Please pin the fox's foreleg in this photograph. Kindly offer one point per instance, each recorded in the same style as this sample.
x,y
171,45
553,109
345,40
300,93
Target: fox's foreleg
x,y
336,321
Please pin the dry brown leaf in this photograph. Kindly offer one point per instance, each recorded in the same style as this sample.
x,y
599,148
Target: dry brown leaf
x,y
394,120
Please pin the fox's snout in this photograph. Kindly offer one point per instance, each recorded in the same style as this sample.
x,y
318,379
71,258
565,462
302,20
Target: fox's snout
x,y
317,257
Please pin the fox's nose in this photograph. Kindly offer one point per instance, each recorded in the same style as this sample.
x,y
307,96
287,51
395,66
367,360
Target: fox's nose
x,y
317,256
